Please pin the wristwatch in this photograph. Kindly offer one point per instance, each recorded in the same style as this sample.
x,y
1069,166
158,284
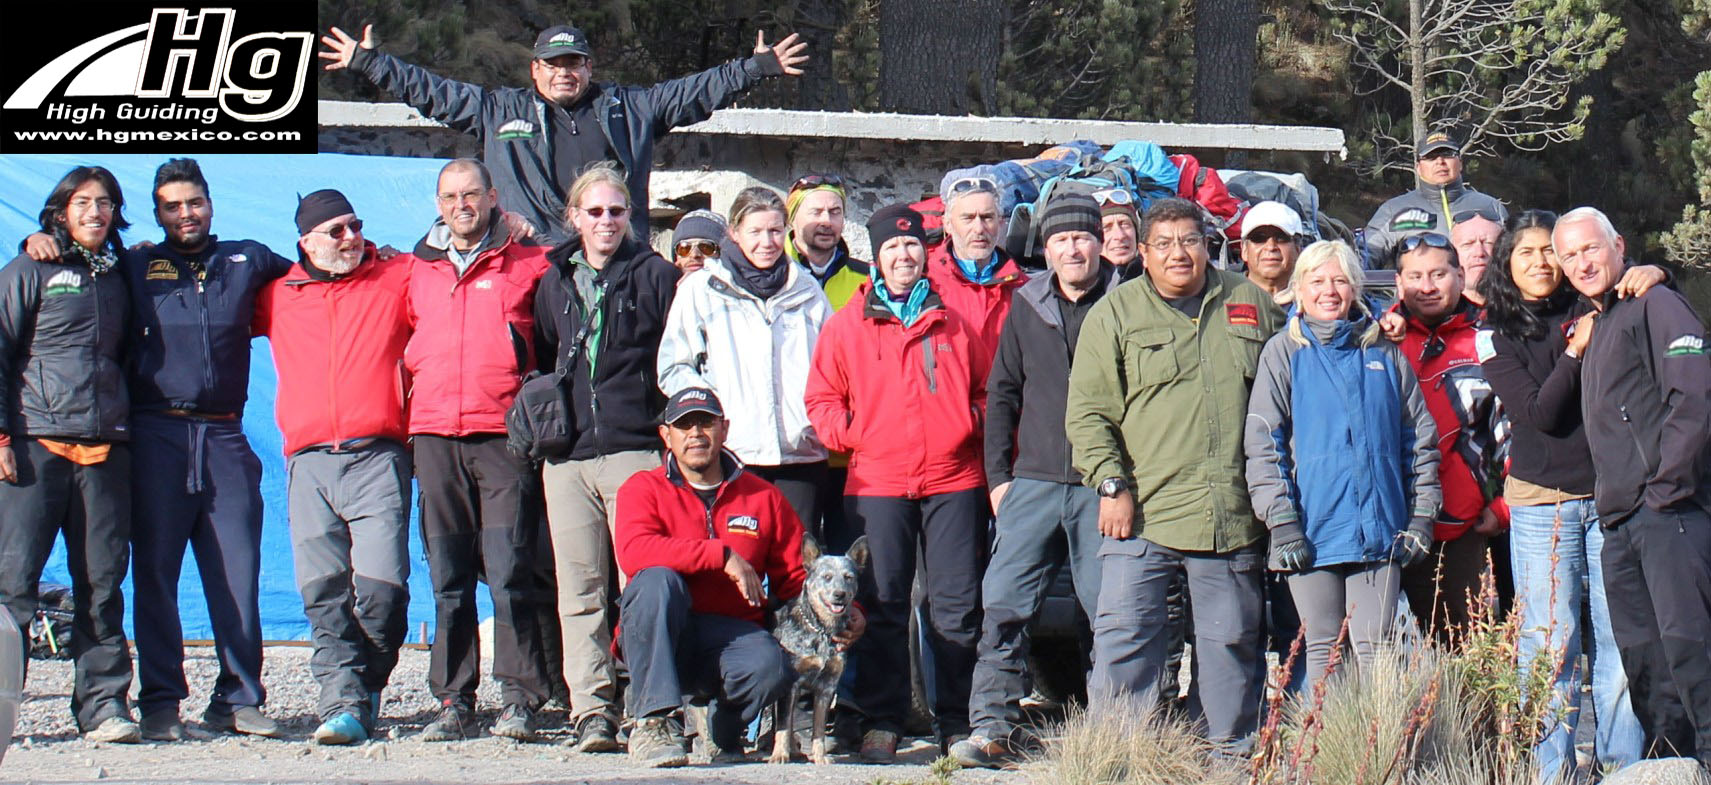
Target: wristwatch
x,y
1110,487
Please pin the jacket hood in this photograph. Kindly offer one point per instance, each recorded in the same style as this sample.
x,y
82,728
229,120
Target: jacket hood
x,y
1449,191
307,271
729,463
1041,290
1465,316
798,289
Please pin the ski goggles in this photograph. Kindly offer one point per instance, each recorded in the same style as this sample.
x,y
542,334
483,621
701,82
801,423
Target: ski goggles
x,y
969,185
1117,196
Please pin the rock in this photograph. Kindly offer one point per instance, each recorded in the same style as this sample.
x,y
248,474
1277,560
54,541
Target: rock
x,y
1660,771
101,773
89,762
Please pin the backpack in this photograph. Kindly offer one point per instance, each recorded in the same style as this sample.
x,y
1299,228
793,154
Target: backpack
x,y
1202,185
1091,175
1291,189
932,210
51,628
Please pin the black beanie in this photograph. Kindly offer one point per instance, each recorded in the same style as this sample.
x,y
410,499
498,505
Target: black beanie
x,y
319,207
1071,212
894,220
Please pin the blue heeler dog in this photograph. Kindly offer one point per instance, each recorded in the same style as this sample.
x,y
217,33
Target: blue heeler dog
x,y
806,629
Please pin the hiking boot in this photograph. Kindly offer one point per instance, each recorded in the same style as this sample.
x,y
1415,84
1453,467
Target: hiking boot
x,y
657,742
163,726
594,733
515,722
372,718
980,752
343,728
879,746
247,720
117,729
451,724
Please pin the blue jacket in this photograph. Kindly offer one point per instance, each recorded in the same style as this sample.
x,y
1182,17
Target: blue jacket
x,y
190,337
1339,440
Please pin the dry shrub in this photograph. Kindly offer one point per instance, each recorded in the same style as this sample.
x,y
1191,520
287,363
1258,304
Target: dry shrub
x,y
1120,743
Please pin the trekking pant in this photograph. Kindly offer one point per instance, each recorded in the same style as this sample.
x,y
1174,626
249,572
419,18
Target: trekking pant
x,y
582,500
1443,603
350,543
91,505
478,516
1657,574
1130,640
1364,594
197,484
677,656
951,530
1041,525
802,485
1552,595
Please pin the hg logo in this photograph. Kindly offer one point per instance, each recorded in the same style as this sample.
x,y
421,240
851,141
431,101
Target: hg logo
x,y
256,78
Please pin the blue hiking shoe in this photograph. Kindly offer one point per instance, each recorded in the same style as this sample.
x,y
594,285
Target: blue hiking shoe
x,y
344,728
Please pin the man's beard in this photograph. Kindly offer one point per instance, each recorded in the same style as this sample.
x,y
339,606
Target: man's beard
x,y
338,264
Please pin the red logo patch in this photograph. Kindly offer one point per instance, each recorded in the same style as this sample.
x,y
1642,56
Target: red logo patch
x,y
1243,314
903,224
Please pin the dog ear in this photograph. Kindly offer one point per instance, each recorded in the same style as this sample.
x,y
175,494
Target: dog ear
x,y
858,553
810,549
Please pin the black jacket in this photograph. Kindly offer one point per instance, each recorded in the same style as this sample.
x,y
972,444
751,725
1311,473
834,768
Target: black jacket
x,y
1540,389
515,131
62,335
1028,389
618,410
190,337
1646,399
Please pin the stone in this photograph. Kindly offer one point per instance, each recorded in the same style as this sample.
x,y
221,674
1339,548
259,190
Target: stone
x,y
1660,771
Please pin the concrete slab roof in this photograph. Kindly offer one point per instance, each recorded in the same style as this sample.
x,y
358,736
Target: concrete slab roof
x,y
935,128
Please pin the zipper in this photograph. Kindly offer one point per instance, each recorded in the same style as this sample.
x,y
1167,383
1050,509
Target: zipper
x,y
929,364
96,346
207,339
332,361
1638,448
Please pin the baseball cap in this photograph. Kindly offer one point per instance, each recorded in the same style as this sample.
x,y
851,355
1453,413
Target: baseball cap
x,y
1274,214
690,400
559,41
1435,141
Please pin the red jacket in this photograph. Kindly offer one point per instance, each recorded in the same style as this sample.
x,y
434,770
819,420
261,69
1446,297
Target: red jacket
x,y
1462,404
662,522
474,336
338,347
906,402
981,306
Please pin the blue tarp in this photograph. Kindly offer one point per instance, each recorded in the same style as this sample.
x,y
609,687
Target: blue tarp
x,y
254,197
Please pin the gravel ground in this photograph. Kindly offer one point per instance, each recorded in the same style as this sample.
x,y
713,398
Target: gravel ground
x,y
47,748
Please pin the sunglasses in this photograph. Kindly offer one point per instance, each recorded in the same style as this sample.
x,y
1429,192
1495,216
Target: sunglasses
x,y
816,180
338,232
1113,196
1429,239
701,247
598,212
1468,215
973,184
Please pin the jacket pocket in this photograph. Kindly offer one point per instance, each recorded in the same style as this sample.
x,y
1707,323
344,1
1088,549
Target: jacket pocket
x,y
1149,358
1245,346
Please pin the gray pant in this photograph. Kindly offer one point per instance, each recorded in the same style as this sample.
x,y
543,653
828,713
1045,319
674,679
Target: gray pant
x,y
1363,593
1130,640
1040,526
582,500
349,515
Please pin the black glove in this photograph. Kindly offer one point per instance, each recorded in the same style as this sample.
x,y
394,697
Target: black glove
x,y
1290,550
1413,544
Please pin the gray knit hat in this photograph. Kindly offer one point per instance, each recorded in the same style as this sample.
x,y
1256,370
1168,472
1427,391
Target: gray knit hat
x,y
699,225
1071,212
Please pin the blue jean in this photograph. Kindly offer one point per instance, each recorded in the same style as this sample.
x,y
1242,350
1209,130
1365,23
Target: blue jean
x,y
1551,616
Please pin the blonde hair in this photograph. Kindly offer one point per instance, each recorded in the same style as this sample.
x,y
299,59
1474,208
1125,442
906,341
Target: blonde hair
x,y
1314,257
599,173
756,199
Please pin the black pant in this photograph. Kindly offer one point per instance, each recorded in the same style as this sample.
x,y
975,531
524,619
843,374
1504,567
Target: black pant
x,y
1443,589
676,655
950,529
479,513
1657,576
803,485
92,506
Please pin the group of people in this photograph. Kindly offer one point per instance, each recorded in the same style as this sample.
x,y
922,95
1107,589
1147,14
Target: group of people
x,y
1225,445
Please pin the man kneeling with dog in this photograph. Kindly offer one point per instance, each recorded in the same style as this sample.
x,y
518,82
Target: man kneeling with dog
x,y
696,536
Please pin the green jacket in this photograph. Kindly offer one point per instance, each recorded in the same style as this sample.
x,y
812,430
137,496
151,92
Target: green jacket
x,y
1160,401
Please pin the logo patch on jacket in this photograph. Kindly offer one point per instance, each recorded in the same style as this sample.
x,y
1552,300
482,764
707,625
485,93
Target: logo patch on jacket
x,y
64,282
516,129
484,284
746,525
1375,365
1242,313
237,258
161,270
1483,346
1685,346
1413,219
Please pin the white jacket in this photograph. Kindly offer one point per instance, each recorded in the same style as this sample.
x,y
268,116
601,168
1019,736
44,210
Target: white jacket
x,y
754,355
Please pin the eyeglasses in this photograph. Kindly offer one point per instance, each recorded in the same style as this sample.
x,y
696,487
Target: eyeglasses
x,y
974,184
337,232
1430,239
817,180
698,247
572,62
103,204
466,196
597,211
1113,196
1188,242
